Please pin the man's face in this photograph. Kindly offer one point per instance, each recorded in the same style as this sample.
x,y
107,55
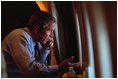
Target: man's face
x,y
48,33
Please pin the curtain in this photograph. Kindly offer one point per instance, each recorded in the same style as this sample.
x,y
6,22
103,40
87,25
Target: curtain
x,y
97,32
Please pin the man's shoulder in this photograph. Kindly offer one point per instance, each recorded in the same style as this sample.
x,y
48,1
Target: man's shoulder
x,y
18,33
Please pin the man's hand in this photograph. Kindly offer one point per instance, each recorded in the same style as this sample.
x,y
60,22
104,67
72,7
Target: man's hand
x,y
66,63
48,45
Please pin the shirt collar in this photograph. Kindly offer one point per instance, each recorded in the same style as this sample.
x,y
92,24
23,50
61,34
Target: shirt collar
x,y
30,33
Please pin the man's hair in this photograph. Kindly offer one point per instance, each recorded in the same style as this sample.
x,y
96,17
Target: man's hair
x,y
40,18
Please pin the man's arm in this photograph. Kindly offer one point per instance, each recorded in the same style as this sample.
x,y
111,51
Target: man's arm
x,y
25,60
43,54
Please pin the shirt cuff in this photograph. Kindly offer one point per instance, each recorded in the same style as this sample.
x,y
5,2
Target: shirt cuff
x,y
54,68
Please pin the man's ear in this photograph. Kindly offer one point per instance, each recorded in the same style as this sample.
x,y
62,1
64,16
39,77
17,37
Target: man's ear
x,y
36,29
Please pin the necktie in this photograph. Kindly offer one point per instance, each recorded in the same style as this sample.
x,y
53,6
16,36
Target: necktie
x,y
36,48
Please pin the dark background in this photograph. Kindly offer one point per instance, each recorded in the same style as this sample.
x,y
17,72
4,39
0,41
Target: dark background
x,y
15,14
